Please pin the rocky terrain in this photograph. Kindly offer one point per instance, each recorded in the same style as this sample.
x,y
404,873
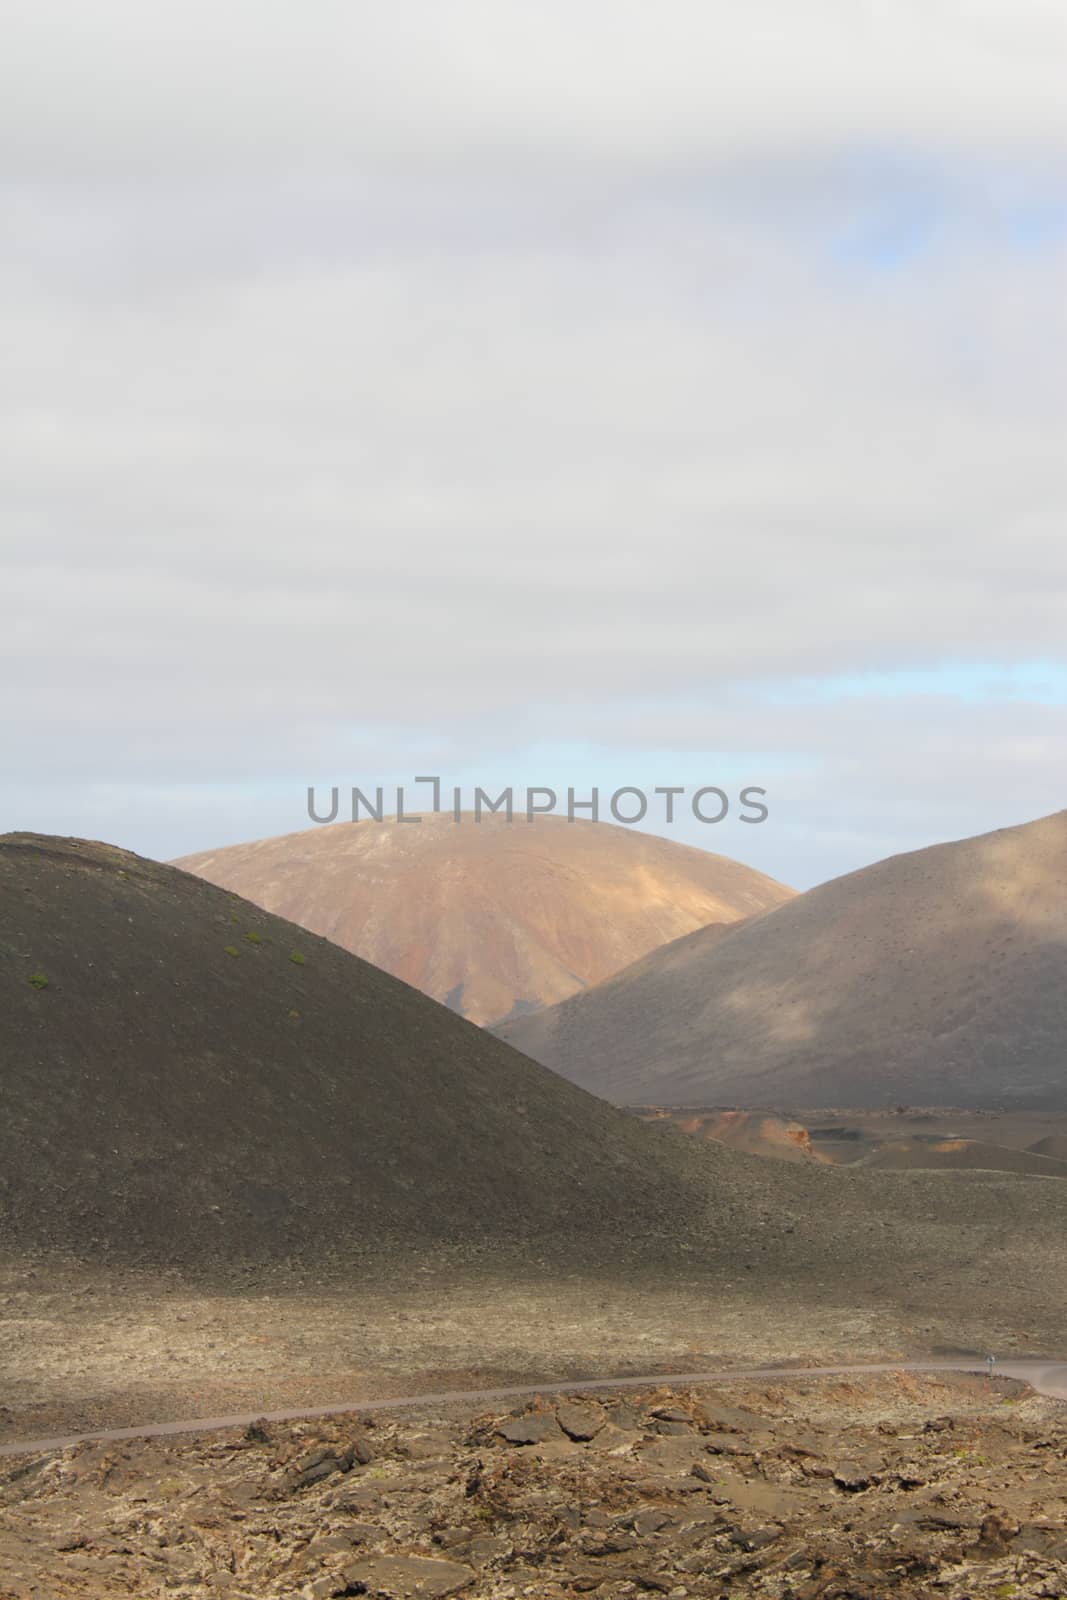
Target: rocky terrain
x,y
491,918
934,978
802,1489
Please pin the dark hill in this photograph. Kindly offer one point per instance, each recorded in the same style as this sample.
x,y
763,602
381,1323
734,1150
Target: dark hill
x,y
933,978
186,1078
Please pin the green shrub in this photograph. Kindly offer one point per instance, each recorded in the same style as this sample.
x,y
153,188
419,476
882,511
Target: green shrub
x,y
298,958
232,950
253,938
38,980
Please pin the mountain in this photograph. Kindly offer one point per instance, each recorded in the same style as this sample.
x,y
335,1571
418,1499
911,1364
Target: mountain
x,y
938,977
492,918
186,1079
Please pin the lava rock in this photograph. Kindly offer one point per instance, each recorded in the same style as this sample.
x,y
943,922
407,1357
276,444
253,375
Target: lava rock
x,y
407,1578
534,1427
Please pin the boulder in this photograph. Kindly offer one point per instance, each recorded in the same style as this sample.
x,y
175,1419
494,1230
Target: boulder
x,y
580,1421
407,1578
533,1427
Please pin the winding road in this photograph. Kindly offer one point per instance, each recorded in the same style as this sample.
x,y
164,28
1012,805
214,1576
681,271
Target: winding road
x,y
1044,1375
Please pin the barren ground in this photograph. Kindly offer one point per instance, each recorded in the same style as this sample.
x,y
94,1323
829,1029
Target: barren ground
x,y
897,1485
80,1350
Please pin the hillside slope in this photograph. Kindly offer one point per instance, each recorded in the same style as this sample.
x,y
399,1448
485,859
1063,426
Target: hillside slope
x,y
494,919
186,1078
933,978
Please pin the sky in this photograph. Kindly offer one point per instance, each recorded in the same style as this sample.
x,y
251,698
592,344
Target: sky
x,y
584,393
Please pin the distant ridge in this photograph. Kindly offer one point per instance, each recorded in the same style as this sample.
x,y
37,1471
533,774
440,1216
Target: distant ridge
x,y
493,918
933,978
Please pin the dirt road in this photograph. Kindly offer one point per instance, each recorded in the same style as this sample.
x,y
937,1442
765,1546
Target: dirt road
x,y
1045,1375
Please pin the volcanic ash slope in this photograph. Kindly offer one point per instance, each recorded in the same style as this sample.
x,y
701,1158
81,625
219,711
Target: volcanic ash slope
x,y
186,1079
933,978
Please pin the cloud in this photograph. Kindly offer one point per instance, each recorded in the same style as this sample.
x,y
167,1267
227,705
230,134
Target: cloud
x,y
487,375
440,84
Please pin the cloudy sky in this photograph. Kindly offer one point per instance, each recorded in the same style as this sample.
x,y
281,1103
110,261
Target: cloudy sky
x,y
580,392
